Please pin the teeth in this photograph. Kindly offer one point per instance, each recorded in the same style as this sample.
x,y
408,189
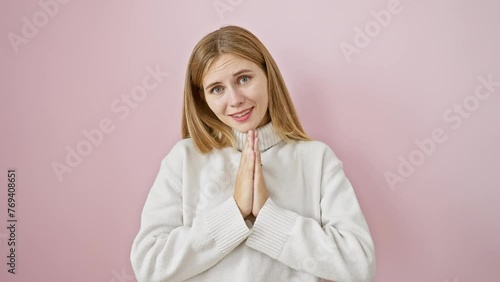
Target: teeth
x,y
242,114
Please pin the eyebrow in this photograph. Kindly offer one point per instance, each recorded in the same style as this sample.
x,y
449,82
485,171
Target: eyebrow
x,y
235,74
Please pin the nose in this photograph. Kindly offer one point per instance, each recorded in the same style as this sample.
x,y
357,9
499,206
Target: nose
x,y
236,98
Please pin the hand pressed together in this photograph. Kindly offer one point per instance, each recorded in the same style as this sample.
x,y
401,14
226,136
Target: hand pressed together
x,y
250,190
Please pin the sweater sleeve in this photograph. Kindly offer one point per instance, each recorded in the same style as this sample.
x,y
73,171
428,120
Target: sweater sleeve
x,y
167,250
338,248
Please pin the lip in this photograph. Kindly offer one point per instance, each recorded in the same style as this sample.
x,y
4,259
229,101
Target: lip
x,y
245,117
241,111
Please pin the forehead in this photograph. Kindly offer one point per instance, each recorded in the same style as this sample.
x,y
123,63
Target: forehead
x,y
226,65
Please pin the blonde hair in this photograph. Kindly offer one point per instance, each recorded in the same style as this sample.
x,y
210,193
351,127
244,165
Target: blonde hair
x,y
198,120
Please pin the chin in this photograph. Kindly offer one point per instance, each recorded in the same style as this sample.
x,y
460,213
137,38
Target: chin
x,y
244,128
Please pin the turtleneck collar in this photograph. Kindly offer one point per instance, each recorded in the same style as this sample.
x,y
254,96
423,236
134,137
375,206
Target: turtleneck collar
x,y
268,137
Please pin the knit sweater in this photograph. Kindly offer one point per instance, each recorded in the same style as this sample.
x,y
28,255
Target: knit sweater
x,y
311,226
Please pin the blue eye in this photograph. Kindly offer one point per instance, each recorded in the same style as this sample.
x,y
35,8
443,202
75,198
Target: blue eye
x,y
244,79
216,90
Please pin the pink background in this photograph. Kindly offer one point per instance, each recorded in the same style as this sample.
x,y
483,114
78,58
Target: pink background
x,y
440,224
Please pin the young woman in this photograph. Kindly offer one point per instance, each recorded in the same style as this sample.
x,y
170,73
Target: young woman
x,y
247,195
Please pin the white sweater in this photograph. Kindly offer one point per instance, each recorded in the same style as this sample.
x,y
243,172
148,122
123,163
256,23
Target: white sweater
x,y
311,227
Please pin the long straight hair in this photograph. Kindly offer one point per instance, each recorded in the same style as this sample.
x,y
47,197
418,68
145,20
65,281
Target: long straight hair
x,y
198,120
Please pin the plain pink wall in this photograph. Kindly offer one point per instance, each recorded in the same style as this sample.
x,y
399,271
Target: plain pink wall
x,y
371,90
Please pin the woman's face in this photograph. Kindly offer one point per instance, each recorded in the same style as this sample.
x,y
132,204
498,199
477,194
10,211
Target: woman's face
x,y
236,91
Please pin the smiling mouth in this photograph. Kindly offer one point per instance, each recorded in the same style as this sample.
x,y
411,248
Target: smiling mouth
x,y
243,116
242,113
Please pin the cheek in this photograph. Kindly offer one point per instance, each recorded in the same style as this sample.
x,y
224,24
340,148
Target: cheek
x,y
256,94
263,96
217,106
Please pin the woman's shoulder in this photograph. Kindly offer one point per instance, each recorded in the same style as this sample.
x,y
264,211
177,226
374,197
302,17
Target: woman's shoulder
x,y
183,144
314,146
319,150
179,151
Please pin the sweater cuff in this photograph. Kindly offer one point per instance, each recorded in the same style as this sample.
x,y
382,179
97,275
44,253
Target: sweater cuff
x,y
271,229
226,225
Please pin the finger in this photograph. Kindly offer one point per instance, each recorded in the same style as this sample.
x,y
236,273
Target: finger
x,y
257,153
250,139
257,168
248,145
244,154
249,142
250,149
